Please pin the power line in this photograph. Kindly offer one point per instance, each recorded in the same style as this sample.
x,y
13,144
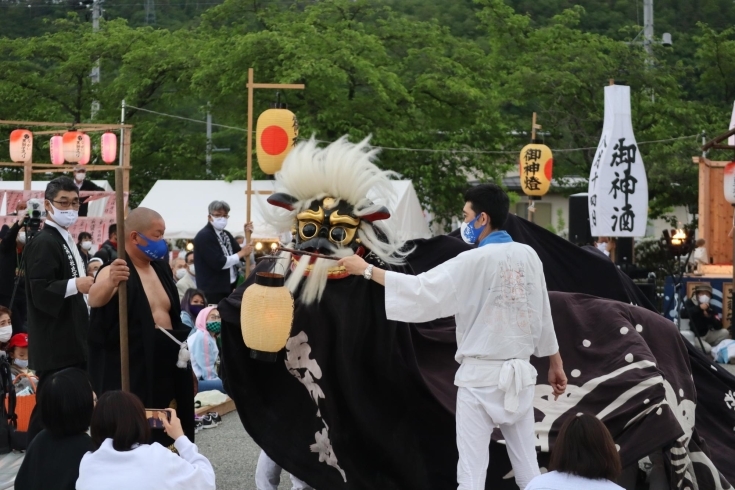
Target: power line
x,y
426,150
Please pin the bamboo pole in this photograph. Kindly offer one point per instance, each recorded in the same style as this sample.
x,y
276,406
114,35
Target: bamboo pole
x,y
122,290
249,163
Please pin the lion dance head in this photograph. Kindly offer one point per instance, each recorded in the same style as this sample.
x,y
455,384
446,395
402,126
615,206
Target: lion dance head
x,y
333,200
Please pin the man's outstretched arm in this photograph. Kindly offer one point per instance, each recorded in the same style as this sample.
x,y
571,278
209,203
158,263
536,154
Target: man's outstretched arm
x,y
413,299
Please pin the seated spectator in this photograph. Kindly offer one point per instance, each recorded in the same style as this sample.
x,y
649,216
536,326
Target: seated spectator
x,y
18,357
94,265
189,280
84,245
204,351
178,268
124,459
192,303
702,317
103,255
6,328
52,460
584,458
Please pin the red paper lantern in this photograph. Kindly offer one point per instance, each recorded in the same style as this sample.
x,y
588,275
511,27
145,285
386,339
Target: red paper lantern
x,y
86,148
109,147
56,147
76,147
21,146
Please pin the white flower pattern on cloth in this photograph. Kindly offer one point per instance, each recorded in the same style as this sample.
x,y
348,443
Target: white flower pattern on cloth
x,y
307,371
730,400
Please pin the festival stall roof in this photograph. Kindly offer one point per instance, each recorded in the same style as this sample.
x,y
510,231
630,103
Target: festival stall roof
x,y
96,208
183,205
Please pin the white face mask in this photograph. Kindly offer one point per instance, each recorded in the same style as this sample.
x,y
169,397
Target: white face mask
x,y
703,299
21,238
87,245
21,363
64,218
6,333
219,223
80,176
180,273
191,270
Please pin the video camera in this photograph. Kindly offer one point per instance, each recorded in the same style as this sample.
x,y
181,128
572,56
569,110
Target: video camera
x,y
32,221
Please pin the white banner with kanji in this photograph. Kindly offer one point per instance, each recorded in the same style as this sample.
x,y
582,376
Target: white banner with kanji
x,y
618,188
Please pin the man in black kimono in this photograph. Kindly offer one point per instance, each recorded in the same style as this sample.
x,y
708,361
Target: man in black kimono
x,y
56,281
153,301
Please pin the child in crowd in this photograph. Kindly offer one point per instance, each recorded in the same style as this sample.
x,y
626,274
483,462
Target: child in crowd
x,y
17,350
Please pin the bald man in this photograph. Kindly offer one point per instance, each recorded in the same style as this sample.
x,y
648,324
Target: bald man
x,y
152,305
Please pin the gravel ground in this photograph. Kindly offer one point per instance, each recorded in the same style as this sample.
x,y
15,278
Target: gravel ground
x,y
233,454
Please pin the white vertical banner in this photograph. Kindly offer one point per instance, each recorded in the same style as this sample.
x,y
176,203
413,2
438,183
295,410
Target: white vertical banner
x,y
731,139
618,188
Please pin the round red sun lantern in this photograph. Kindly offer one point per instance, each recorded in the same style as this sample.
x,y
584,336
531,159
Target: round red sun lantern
x,y
275,135
21,145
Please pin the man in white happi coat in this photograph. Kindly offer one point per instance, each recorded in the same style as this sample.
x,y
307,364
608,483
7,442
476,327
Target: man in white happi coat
x,y
498,296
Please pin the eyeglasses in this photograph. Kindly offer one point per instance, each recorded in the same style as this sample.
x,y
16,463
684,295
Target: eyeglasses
x,y
66,204
220,216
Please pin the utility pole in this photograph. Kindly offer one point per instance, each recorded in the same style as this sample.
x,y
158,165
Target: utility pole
x,y
210,144
95,75
150,12
209,139
648,26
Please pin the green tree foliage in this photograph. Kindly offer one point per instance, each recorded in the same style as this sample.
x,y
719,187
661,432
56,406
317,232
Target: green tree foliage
x,y
459,79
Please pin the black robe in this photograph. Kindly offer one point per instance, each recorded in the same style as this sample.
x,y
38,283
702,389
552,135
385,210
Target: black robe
x,y
154,377
57,326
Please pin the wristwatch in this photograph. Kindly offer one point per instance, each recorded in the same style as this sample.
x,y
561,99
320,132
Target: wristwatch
x,y
368,274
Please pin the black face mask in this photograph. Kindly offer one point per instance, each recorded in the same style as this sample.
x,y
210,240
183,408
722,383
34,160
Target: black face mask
x,y
195,310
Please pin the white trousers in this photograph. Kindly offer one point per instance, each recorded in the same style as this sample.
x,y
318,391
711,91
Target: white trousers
x,y
268,475
479,411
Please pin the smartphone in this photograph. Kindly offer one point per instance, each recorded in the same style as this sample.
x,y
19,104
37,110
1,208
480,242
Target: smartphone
x,y
152,414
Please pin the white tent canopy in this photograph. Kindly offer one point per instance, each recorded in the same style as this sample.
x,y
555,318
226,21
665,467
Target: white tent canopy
x,y
96,208
183,205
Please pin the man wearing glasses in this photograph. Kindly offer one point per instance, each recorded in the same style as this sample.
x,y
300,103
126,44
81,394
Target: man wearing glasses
x,y
218,255
56,282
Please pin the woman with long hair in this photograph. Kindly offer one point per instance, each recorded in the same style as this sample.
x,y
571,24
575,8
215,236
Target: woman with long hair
x,y
584,458
124,459
52,460
192,303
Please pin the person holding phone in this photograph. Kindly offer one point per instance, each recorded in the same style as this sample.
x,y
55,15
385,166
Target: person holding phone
x,y
123,458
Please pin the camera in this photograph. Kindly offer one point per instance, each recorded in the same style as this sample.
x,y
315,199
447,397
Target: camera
x,y
32,221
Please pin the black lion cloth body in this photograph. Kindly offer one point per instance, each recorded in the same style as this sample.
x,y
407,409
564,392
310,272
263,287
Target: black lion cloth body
x,y
356,401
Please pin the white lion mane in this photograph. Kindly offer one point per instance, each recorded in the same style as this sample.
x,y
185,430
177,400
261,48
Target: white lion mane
x,y
343,171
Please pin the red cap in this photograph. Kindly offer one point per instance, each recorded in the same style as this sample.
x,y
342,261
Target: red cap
x,y
18,340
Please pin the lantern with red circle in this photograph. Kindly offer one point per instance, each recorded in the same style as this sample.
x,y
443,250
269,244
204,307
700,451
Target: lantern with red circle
x,y
76,147
21,145
109,147
56,147
275,135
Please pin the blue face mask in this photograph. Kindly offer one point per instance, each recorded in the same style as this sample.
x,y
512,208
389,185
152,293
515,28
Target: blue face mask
x,y
469,233
155,250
